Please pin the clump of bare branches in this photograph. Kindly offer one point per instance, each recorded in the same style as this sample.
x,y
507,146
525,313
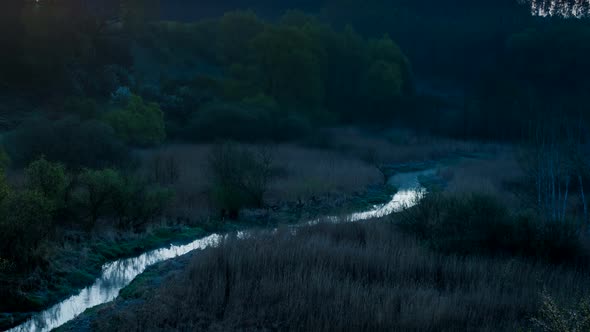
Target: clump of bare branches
x,y
241,176
556,160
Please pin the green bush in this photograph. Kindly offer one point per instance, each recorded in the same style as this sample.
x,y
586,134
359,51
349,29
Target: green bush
x,y
4,187
25,220
230,121
480,224
97,188
49,179
130,201
139,123
74,142
4,158
246,122
135,202
85,108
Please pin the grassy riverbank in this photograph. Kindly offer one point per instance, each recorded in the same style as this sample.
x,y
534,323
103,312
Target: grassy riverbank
x,y
335,179
75,266
472,256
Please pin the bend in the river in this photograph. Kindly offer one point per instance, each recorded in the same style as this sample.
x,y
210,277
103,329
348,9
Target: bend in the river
x,y
118,274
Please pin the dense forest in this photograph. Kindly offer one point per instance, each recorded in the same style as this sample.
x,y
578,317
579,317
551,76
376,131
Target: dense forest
x,y
127,125
461,67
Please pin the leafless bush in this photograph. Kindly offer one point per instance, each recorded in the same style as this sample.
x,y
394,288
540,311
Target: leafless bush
x,y
304,173
555,160
240,175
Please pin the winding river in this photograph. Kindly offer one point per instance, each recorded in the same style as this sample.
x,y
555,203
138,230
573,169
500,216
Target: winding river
x,y
118,274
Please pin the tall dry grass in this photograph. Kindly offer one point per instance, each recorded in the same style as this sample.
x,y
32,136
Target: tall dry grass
x,y
353,277
495,175
399,146
301,173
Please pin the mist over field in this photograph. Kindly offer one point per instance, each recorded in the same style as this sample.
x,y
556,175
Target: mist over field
x,y
294,165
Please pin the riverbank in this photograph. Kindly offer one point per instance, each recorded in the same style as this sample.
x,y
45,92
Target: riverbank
x,y
313,183
75,266
81,265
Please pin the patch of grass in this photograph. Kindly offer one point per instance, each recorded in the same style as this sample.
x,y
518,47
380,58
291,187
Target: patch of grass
x,y
75,267
141,284
374,195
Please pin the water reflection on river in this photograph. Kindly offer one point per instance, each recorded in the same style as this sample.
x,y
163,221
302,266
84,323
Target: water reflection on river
x,y
116,275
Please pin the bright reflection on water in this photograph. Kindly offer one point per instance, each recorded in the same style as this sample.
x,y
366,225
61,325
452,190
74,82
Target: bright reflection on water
x,y
409,192
116,275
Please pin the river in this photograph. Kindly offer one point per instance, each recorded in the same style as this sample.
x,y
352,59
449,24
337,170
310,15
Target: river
x,y
118,274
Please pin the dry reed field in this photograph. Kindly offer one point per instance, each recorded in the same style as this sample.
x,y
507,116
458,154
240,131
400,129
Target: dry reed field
x,y
351,277
301,174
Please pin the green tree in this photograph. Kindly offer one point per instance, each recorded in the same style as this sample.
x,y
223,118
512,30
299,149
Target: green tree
x,y
382,84
139,123
235,32
289,67
386,77
5,189
136,14
4,158
97,187
134,201
85,108
49,179
25,221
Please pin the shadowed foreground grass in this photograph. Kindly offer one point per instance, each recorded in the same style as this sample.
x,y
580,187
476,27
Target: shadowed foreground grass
x,y
357,277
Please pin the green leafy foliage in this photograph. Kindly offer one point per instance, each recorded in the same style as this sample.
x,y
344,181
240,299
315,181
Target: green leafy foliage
x,y
74,142
289,66
307,68
135,202
139,123
49,179
235,31
97,190
4,158
5,189
85,108
108,193
25,221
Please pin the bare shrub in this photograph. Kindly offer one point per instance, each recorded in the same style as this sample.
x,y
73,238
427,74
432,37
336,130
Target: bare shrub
x,y
240,177
299,174
480,224
555,159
